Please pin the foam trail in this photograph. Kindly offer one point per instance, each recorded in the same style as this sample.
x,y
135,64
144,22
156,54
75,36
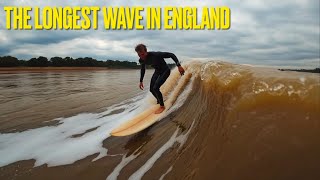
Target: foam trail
x,y
74,138
163,175
125,160
174,138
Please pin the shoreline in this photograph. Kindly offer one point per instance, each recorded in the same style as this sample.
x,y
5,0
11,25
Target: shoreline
x,y
55,69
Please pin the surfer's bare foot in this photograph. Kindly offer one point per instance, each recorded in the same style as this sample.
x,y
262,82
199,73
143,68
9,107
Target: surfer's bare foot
x,y
160,110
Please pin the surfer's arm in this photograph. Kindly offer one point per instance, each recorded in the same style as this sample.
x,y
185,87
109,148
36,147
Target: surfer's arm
x,y
142,72
169,55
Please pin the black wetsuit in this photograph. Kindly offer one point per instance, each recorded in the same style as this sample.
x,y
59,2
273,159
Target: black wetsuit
x,y
161,73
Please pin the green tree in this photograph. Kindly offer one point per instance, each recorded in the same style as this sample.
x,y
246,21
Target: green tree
x,y
9,61
38,62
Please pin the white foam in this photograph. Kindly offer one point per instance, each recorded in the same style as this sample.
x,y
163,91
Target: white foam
x,y
302,80
278,87
163,175
74,138
125,160
174,138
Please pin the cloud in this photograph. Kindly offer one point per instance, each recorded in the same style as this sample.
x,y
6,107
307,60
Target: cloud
x,y
262,32
77,47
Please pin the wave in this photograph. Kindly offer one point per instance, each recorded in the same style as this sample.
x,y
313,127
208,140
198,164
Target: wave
x,y
230,122
252,122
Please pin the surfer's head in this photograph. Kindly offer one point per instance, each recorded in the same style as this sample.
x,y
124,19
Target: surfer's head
x,y
141,49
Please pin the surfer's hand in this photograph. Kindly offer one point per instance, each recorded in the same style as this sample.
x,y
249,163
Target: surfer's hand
x,y
141,85
181,70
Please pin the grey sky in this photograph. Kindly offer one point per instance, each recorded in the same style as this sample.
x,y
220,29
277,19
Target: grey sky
x,y
277,33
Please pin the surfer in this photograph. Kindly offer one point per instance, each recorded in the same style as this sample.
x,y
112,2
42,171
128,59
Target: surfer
x,y
161,73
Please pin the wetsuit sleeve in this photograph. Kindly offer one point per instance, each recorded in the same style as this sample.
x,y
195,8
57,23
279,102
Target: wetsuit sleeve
x,y
143,71
169,55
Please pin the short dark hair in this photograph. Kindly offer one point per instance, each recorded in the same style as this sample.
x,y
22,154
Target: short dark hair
x,y
140,47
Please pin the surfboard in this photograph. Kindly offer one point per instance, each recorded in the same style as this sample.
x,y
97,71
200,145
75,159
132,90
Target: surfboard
x,y
148,117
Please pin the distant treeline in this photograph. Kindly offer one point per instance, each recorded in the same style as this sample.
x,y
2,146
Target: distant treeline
x,y
316,70
9,61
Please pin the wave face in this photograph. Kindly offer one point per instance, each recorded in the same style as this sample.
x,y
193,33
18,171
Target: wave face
x,y
251,123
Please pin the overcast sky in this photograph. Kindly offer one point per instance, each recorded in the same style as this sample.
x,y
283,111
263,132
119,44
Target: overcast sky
x,y
273,32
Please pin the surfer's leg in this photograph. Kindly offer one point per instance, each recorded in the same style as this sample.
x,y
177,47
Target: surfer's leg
x,y
156,88
152,83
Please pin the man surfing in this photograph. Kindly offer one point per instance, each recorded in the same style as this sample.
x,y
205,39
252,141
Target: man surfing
x,y
161,73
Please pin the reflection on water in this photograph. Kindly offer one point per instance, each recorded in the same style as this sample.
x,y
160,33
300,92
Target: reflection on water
x,y
137,141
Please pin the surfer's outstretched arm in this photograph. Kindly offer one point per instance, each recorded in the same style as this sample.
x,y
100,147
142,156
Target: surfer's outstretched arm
x,y
142,72
169,55
174,58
